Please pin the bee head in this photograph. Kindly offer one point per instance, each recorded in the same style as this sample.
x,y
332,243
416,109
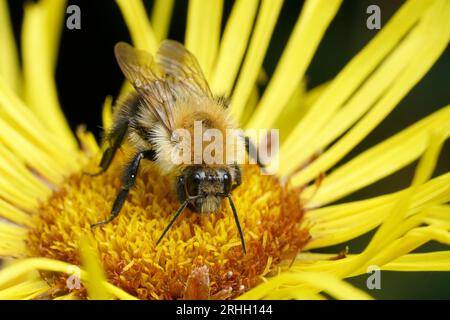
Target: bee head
x,y
208,185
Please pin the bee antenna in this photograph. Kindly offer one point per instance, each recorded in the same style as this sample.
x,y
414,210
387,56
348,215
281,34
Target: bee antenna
x,y
176,215
236,218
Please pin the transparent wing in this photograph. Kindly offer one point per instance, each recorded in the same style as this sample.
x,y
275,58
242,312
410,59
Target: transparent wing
x,y
139,68
181,65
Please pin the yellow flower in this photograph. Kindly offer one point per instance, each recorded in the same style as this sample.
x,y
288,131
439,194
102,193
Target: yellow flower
x,y
46,205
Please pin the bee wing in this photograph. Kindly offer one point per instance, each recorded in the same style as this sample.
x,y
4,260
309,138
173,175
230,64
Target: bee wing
x,y
140,69
181,65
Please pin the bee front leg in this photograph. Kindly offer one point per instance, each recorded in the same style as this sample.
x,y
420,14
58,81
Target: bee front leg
x,y
115,137
129,178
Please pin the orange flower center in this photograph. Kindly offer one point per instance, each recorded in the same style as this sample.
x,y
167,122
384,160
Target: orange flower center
x,y
200,257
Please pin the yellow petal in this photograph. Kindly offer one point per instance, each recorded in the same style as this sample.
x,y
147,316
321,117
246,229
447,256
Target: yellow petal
x,y
289,294
12,192
13,168
232,47
319,281
438,18
87,140
38,52
14,214
251,104
430,261
339,223
203,32
25,122
55,14
265,23
161,15
138,24
296,108
9,62
70,296
25,290
94,271
31,154
350,78
412,240
438,216
368,94
12,230
427,163
397,222
107,113
381,160
23,267
12,248
305,38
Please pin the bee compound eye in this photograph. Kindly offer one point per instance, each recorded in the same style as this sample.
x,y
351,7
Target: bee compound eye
x,y
226,182
193,183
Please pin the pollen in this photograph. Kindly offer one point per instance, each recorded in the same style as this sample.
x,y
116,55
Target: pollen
x,y
201,255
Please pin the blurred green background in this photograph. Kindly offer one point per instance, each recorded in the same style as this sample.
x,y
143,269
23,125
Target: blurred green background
x,y
87,72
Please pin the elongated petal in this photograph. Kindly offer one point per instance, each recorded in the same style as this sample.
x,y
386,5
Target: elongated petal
x,y
39,44
23,267
259,42
319,281
138,24
25,290
161,16
107,113
14,214
381,160
55,14
203,31
296,108
336,224
12,167
412,240
233,45
12,248
305,38
9,62
430,261
95,274
398,221
349,79
27,151
437,19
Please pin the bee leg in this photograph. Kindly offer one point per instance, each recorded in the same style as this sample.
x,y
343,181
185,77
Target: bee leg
x,y
252,152
116,137
129,178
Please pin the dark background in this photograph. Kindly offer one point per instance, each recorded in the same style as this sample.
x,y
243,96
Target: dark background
x,y
87,73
